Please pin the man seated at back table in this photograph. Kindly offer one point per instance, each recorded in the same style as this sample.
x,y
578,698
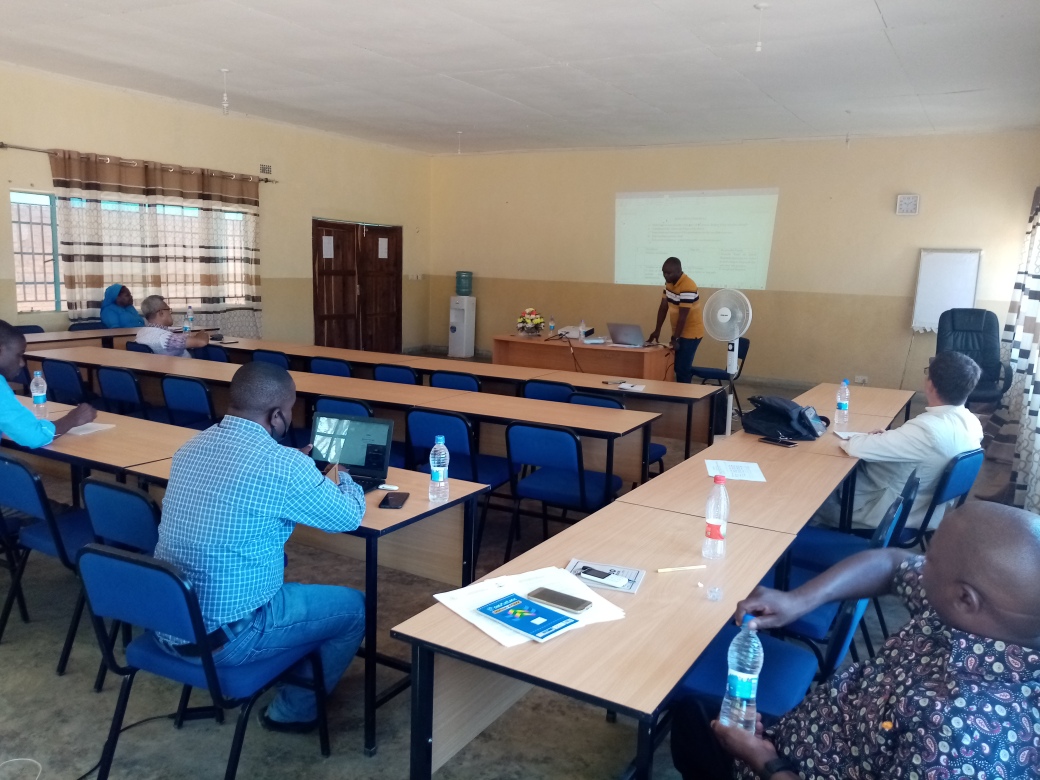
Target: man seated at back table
x,y
233,498
16,421
156,333
953,694
926,443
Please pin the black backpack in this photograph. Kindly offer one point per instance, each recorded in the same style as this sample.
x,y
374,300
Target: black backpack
x,y
779,418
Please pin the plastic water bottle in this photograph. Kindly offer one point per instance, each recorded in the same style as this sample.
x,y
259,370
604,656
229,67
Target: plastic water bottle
x,y
552,326
189,320
38,388
745,664
841,414
439,471
581,330
716,515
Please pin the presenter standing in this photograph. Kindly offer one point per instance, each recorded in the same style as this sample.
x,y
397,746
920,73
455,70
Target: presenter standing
x,y
682,303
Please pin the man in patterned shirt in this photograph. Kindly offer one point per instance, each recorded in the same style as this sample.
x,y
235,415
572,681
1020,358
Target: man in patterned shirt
x,y
955,694
681,302
234,496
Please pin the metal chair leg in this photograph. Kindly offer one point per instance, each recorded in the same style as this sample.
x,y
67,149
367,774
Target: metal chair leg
x,y
545,521
109,752
10,548
70,637
513,528
102,672
12,594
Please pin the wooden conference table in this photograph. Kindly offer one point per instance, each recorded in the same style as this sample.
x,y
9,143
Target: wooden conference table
x,y
441,548
100,337
571,354
875,401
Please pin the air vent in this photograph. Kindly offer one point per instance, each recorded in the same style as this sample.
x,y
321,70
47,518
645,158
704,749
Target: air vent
x,y
266,169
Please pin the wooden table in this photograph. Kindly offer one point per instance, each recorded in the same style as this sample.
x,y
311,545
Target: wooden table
x,y
875,401
830,444
440,547
494,377
101,337
300,354
573,355
669,399
462,680
797,484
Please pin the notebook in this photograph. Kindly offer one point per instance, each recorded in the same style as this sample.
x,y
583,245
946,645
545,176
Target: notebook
x,y
626,335
362,444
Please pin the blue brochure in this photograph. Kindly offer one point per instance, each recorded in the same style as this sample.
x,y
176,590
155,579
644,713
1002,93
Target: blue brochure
x,y
533,620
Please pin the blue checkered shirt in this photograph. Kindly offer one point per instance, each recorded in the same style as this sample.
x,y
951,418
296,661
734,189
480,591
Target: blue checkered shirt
x,y
233,499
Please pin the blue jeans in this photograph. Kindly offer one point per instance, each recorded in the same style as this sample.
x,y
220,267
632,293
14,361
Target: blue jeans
x,y
685,350
299,615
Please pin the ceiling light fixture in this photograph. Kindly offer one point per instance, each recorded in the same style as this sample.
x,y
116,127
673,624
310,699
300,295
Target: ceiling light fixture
x,y
224,103
760,7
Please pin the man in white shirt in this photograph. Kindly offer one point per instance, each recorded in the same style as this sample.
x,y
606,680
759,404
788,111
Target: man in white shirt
x,y
157,335
926,443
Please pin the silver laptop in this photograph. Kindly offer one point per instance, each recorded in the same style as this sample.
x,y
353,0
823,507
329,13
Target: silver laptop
x,y
625,335
362,444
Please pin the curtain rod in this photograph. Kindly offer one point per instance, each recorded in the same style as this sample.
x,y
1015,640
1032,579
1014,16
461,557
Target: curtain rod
x,y
133,163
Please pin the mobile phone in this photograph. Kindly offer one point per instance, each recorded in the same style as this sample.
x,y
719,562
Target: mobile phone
x,y
603,577
393,500
613,381
779,442
553,598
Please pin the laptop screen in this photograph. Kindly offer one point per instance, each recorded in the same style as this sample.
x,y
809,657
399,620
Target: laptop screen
x,y
362,444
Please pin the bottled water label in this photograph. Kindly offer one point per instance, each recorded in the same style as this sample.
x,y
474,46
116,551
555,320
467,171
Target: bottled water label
x,y
741,686
843,406
713,530
40,399
439,475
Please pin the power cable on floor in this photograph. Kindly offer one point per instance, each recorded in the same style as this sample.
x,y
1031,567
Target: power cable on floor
x,y
94,768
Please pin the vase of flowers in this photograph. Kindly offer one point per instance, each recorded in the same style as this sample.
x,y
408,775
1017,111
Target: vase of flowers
x,y
529,323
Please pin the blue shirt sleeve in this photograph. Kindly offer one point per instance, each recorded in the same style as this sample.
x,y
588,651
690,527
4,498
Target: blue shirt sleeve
x,y
20,424
310,497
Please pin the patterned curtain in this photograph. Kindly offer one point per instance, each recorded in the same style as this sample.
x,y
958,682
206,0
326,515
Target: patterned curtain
x,y
190,235
1014,426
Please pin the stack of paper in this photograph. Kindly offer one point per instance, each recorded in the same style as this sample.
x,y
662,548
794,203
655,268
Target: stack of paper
x,y
466,601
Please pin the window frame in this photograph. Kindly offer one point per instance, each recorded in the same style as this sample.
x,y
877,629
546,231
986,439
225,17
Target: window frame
x,y
58,302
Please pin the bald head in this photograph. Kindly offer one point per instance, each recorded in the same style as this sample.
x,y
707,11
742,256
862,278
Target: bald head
x,y
982,568
259,387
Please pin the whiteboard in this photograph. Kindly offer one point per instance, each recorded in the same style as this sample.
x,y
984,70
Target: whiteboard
x,y
946,279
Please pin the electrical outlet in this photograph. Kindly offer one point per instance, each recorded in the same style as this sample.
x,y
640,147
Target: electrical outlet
x,y
861,380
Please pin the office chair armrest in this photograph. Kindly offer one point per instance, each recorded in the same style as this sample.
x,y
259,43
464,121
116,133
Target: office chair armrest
x,y
1005,368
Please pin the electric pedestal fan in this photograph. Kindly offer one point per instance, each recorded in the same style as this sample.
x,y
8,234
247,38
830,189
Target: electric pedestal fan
x,y
727,316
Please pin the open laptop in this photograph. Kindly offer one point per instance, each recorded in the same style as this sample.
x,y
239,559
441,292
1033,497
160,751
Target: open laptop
x,y
362,444
624,335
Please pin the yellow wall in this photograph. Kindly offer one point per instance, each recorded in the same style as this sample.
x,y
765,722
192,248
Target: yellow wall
x,y
537,229
319,175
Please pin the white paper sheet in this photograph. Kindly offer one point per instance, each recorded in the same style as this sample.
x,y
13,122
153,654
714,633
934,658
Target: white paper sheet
x,y
846,435
735,469
83,430
632,387
466,601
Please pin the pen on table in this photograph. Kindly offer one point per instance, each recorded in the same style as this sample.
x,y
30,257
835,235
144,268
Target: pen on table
x,y
684,568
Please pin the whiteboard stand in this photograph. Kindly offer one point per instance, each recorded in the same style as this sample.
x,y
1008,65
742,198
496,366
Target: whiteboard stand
x,y
946,279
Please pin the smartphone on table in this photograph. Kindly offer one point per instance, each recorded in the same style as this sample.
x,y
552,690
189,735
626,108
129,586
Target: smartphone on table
x,y
603,577
779,442
553,598
393,500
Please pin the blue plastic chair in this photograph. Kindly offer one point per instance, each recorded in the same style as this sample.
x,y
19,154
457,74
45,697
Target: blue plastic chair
x,y
133,346
126,518
720,375
559,479
402,375
29,328
91,324
270,356
455,380
64,383
138,590
466,461
121,392
210,352
656,451
330,366
188,402
548,391
61,537
954,485
354,408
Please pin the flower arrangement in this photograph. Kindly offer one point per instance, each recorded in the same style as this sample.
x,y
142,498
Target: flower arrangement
x,y
529,322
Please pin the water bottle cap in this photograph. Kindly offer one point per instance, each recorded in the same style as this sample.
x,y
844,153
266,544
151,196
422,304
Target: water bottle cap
x,y
844,381
37,373
720,479
748,617
438,440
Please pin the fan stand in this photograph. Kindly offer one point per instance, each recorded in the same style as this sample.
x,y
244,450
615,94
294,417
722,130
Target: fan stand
x,y
732,365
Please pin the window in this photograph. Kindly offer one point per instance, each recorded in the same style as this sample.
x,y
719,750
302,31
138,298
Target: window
x,y
34,231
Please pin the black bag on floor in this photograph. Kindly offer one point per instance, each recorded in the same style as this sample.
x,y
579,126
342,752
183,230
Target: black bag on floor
x,y
779,418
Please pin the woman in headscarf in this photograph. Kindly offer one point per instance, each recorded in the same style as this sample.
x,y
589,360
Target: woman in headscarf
x,y
117,310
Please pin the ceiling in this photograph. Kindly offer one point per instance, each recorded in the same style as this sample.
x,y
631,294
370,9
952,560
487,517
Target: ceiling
x,y
556,74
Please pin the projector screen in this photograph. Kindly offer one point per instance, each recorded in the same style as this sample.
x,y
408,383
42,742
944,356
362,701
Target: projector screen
x,y
722,237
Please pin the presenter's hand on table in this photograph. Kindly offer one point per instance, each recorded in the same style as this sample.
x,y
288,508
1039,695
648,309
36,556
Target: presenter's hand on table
x,y
81,415
653,337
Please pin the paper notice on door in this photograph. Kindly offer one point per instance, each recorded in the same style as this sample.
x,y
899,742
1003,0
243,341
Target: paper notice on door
x,y
326,248
384,248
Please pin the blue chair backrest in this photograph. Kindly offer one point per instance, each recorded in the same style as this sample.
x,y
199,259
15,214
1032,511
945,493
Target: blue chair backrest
x,y
330,366
849,615
547,391
954,484
29,328
543,445
270,356
593,399
210,352
188,400
342,406
21,489
138,590
120,385
455,380
64,383
133,346
91,324
122,516
424,426
402,375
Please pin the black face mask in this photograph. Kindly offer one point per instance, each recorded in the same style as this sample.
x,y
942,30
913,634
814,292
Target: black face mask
x,y
280,437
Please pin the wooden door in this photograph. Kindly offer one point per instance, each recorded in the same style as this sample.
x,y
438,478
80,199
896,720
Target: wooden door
x,y
357,285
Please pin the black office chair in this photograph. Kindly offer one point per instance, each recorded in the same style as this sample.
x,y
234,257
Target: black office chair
x,y
976,333
719,375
